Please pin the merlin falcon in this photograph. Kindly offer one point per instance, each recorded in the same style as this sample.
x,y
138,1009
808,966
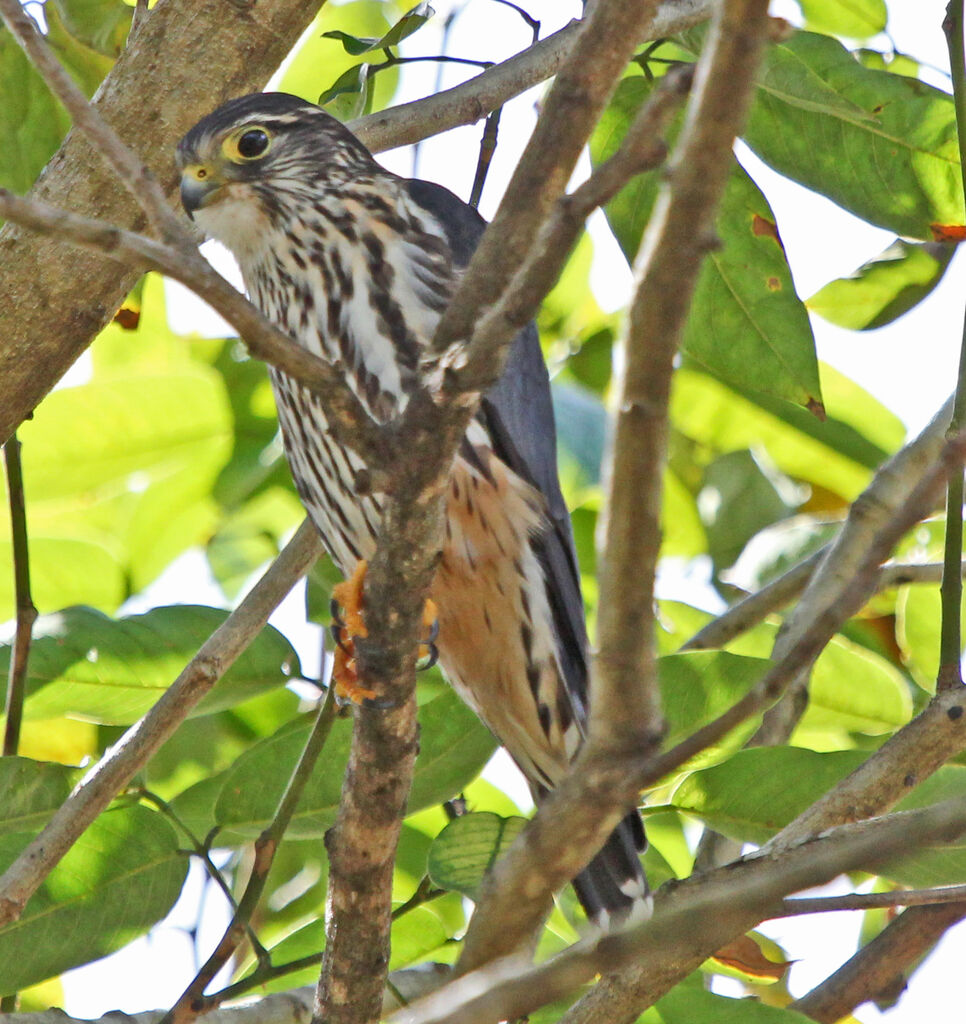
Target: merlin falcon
x,y
357,264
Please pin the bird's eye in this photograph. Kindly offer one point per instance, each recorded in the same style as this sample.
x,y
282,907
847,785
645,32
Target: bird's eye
x,y
249,145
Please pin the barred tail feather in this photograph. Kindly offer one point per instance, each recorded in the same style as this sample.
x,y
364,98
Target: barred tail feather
x,y
612,887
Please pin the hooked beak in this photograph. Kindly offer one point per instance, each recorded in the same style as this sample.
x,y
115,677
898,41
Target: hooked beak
x,y
200,184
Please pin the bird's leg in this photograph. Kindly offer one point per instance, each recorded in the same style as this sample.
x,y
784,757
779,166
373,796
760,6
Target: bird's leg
x,y
348,624
428,652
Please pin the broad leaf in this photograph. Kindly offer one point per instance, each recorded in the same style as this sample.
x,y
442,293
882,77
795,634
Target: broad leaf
x,y
102,25
758,791
881,290
454,746
409,23
119,878
468,847
32,122
839,454
85,664
690,1004
857,19
896,165
30,792
747,324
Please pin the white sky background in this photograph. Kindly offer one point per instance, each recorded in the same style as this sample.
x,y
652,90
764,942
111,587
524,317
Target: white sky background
x,y
823,242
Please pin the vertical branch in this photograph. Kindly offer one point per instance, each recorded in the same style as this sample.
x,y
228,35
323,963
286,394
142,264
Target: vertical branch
x,y
625,702
26,612
950,642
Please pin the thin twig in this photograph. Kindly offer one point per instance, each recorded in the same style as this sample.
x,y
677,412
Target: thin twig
x,y
950,674
755,608
487,149
528,18
119,765
190,1003
26,611
135,177
874,900
201,850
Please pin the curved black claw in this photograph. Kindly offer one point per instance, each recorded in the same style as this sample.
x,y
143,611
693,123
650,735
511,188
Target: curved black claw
x,y
431,657
338,626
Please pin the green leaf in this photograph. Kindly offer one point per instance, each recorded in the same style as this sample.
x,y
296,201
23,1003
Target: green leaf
x,y
919,617
128,461
689,1004
357,18
747,325
30,792
898,169
581,426
758,791
857,19
350,95
416,936
881,290
454,746
857,436
85,664
466,849
119,878
943,864
102,25
32,122
737,500
699,685
64,571
409,23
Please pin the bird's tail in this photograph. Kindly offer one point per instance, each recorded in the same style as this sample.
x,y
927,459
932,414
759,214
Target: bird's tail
x,y
612,887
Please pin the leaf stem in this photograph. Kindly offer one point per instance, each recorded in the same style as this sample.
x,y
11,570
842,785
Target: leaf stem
x,y
26,612
951,590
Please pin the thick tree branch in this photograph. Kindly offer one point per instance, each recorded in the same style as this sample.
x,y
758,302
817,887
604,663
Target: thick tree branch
x,y
119,765
880,965
691,920
601,786
55,301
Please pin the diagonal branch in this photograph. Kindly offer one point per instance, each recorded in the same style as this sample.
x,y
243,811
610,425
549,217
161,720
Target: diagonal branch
x,y
134,175
120,764
880,964
691,920
345,413
606,778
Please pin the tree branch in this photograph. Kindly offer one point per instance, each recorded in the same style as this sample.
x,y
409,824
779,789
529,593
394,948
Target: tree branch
x,y
875,900
119,765
890,487
54,301
755,608
192,1002
602,785
880,964
345,413
691,920
135,177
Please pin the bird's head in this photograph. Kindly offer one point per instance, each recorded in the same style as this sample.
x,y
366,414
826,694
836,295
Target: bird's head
x,y
238,163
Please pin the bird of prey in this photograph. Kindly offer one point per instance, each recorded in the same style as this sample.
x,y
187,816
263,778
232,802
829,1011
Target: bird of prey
x,y
357,264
